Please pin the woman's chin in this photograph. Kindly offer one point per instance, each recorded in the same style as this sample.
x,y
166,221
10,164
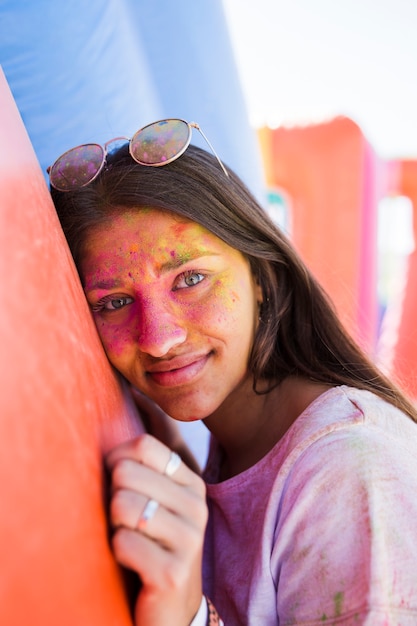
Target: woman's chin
x,y
185,413
185,416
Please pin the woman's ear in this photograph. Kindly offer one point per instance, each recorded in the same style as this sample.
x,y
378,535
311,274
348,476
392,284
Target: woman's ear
x,y
258,292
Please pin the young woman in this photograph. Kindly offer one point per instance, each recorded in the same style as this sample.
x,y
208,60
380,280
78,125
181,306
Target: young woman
x,y
205,307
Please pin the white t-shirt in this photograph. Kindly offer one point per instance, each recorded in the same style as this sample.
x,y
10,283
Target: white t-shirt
x,y
323,529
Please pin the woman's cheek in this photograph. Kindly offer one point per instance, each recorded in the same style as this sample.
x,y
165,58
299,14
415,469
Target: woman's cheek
x,y
225,306
115,339
217,318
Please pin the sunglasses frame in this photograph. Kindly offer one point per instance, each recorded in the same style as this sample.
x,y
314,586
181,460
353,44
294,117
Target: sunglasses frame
x,y
131,141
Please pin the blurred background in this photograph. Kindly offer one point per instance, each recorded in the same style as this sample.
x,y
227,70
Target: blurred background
x,y
301,62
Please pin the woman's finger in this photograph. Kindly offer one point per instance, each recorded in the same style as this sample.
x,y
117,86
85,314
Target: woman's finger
x,y
155,455
144,449
152,519
128,474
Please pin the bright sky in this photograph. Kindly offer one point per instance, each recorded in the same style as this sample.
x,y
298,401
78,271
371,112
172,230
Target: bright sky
x,y
303,61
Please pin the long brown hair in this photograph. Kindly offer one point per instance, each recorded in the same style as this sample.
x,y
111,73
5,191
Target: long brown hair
x,y
299,333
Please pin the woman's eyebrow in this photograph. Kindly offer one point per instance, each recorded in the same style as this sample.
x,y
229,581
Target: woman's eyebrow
x,y
178,259
109,283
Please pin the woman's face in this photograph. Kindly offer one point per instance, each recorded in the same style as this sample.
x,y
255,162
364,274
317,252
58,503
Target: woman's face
x,y
176,309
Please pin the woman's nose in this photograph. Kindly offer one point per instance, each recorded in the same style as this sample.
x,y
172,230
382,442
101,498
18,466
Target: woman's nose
x,y
159,330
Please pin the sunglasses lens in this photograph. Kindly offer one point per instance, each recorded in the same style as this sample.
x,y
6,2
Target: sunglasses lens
x,y
77,167
161,142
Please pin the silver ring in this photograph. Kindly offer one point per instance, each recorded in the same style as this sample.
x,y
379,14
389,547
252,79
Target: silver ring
x,y
147,514
173,464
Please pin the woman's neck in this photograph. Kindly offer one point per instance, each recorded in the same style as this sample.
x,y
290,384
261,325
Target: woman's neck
x,y
248,425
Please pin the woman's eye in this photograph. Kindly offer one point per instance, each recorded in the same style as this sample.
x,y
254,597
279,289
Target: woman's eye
x,y
117,303
112,304
189,279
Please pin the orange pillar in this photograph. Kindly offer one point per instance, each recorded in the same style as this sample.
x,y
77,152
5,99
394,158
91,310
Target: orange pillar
x,y
333,177
61,407
404,358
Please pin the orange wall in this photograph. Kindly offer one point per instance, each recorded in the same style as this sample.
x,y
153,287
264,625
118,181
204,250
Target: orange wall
x,y
61,407
404,352
328,170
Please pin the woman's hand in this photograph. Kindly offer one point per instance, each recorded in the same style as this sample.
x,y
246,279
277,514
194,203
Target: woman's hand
x,y
166,549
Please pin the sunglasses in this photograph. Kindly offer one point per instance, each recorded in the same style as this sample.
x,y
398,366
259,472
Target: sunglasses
x,y
153,145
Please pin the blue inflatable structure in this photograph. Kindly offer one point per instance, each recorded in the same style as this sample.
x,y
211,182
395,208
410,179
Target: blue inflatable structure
x,y
89,71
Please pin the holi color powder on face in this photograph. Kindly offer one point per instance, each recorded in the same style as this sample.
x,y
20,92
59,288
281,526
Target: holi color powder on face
x,y
175,293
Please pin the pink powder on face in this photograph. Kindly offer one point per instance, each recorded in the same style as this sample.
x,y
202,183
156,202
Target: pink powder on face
x,y
116,338
147,259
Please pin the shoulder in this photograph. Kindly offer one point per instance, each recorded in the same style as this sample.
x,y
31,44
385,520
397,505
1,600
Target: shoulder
x,y
348,413
346,437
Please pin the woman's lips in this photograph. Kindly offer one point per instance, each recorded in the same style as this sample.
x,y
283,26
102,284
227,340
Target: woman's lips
x,y
179,371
